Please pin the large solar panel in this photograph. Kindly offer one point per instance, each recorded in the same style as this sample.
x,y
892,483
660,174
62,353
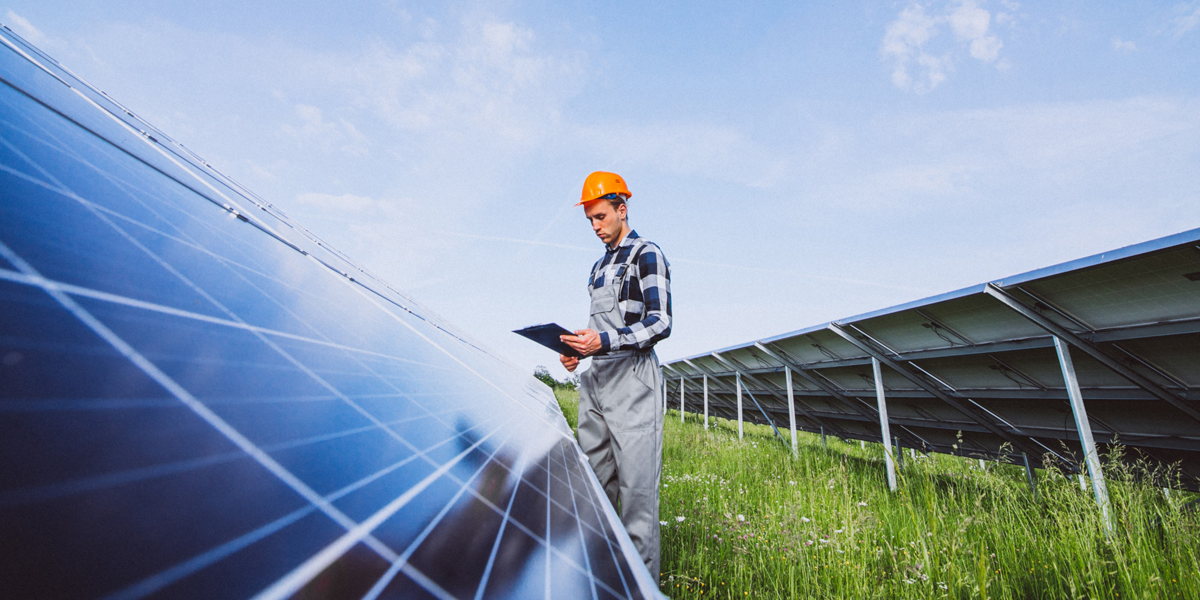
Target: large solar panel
x,y
980,364
199,399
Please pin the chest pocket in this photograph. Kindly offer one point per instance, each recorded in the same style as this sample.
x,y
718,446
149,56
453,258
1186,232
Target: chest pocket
x,y
604,298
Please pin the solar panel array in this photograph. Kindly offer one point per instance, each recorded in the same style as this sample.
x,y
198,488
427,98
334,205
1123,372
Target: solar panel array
x,y
980,364
198,398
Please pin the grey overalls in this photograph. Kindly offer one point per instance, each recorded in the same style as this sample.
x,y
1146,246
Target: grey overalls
x,y
621,420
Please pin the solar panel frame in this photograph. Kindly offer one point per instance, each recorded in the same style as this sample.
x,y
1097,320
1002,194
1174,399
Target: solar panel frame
x,y
1135,306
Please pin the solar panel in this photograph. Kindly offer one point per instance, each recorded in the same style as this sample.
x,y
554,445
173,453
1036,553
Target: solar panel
x,y
975,371
199,398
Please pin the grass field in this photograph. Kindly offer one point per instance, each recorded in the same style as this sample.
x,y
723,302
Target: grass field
x,y
742,518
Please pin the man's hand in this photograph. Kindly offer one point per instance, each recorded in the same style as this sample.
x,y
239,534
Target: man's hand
x,y
570,363
585,341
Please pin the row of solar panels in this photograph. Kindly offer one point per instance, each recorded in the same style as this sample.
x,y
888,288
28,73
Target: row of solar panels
x,y
200,399
980,364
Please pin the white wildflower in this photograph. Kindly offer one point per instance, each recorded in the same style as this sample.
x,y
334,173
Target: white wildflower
x,y
662,522
862,503
804,519
741,517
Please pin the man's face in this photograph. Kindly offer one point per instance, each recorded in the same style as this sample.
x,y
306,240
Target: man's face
x,y
607,222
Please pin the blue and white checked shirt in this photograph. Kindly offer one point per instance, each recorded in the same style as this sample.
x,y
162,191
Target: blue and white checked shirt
x,y
645,297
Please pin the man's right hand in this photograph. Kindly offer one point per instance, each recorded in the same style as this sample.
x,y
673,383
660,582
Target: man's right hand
x,y
570,363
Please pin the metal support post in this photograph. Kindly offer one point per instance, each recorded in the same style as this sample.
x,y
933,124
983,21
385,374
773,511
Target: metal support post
x,y
822,437
982,466
1085,431
706,402
963,405
1030,475
664,393
888,459
1062,334
680,399
899,453
739,402
787,375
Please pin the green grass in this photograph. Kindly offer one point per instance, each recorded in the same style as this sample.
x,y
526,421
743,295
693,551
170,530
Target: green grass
x,y
568,400
743,518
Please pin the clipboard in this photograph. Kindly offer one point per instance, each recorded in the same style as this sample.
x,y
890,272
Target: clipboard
x,y
547,335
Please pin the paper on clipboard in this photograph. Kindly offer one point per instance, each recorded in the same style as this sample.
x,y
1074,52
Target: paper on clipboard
x,y
547,335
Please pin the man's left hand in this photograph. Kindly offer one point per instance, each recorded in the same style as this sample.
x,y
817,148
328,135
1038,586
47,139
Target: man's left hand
x,y
585,341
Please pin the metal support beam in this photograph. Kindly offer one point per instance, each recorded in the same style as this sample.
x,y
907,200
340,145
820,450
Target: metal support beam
x,y
739,402
771,388
978,416
680,399
888,458
787,373
822,437
736,389
1091,349
664,389
706,402
1085,431
770,421
858,406
1029,474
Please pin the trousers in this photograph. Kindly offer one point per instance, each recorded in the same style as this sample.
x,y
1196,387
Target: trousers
x,y
620,431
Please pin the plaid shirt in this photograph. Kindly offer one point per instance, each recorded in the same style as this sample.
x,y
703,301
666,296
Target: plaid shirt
x,y
644,299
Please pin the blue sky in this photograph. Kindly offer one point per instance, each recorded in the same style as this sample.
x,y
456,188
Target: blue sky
x,y
797,162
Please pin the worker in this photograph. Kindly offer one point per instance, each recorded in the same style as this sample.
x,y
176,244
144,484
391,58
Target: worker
x,y
621,394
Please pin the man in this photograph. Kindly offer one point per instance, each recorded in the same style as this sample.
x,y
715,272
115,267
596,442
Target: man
x,y
620,397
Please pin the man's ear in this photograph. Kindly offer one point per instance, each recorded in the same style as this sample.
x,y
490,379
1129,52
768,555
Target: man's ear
x,y
622,211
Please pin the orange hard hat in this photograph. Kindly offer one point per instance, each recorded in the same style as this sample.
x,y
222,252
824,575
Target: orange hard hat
x,y
602,183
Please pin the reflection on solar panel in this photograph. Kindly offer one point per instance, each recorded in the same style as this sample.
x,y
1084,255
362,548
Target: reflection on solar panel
x,y
200,399
982,362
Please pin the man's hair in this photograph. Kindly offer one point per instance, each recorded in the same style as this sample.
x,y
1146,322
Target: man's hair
x,y
617,202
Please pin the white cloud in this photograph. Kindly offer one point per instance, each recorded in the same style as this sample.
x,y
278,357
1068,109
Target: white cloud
x,y
315,131
25,29
905,36
909,41
1121,45
970,22
1186,21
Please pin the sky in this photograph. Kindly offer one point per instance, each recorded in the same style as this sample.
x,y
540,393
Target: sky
x,y
798,163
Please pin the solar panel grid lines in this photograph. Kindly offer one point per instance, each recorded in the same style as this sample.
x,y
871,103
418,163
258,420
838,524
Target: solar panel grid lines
x,y
171,364
191,402
234,211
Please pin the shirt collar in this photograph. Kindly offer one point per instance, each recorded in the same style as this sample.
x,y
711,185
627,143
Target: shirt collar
x,y
628,241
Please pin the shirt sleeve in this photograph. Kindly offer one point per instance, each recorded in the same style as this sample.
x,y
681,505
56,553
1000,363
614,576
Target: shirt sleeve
x,y
654,279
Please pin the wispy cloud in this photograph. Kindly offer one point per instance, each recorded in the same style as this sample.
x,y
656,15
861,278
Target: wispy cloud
x,y
24,28
1121,45
1188,19
920,63
314,130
